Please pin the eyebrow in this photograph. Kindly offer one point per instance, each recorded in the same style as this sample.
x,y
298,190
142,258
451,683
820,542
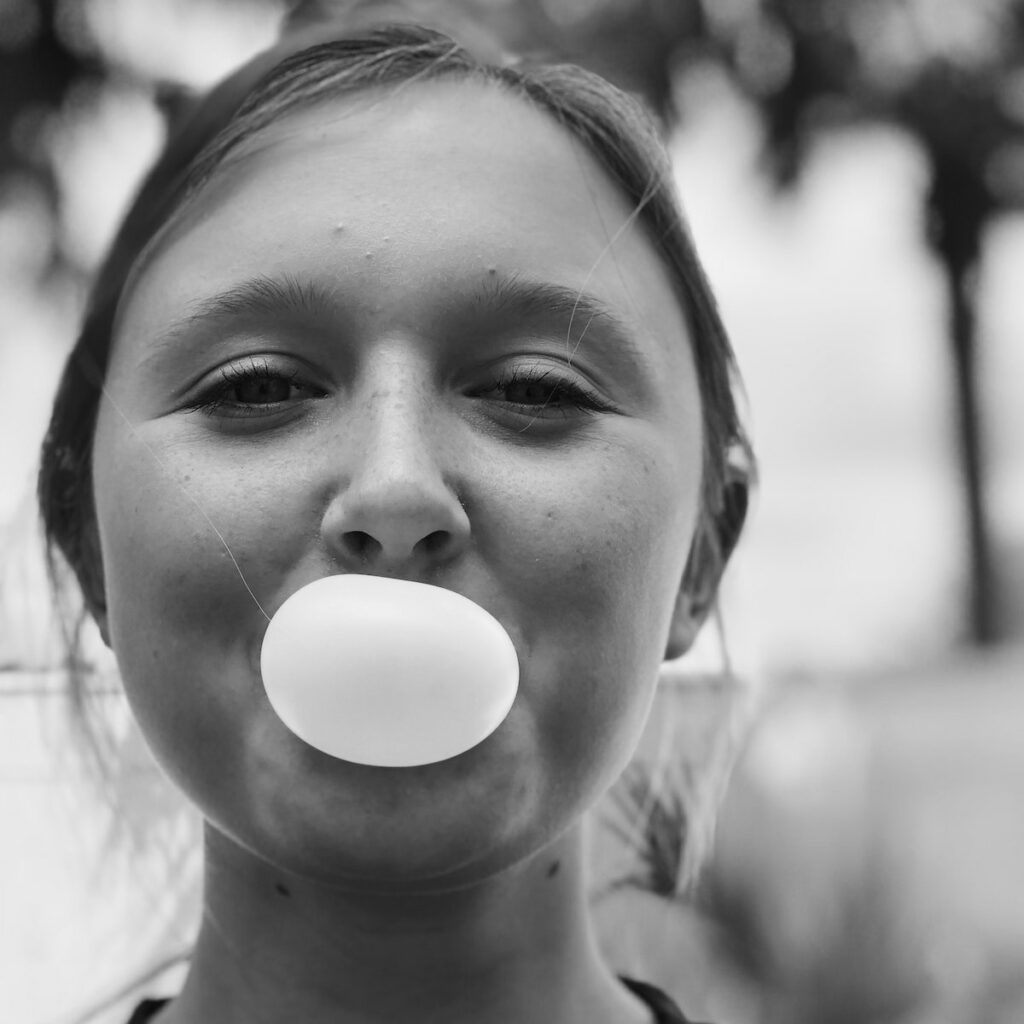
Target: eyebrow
x,y
260,295
575,309
571,311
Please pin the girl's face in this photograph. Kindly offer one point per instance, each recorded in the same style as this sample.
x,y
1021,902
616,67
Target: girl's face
x,y
417,335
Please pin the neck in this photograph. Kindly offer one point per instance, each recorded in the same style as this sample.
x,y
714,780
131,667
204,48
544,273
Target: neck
x,y
515,948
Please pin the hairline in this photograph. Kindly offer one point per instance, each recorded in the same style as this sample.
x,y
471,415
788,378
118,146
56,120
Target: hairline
x,y
195,198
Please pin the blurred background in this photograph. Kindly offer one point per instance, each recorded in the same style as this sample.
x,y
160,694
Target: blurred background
x,y
853,171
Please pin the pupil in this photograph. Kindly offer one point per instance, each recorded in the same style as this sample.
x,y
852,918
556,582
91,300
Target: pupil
x,y
262,391
531,392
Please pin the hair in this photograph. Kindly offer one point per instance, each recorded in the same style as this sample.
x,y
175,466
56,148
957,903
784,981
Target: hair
x,y
314,67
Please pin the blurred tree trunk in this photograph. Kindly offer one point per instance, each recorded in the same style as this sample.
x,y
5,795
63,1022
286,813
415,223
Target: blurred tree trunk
x,y
952,124
983,618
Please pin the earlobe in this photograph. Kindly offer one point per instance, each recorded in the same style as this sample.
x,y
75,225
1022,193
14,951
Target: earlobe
x,y
696,595
713,544
684,627
101,622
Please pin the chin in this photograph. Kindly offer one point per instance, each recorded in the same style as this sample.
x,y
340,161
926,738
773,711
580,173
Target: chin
x,y
398,857
431,828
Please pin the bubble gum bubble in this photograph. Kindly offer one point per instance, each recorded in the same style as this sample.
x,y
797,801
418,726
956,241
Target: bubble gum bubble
x,y
387,672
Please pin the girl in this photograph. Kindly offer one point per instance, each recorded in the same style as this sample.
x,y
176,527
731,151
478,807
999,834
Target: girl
x,y
384,308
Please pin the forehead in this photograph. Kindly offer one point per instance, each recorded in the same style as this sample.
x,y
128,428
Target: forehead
x,y
415,187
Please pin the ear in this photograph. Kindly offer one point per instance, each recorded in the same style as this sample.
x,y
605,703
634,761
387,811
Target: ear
x,y
713,543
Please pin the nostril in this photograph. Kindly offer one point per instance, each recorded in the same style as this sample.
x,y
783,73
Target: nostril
x,y
434,542
362,545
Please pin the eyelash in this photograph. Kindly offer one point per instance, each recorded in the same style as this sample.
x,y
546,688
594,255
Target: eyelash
x,y
564,397
570,395
216,399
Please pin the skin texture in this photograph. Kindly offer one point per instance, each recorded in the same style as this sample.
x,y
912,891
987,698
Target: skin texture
x,y
416,423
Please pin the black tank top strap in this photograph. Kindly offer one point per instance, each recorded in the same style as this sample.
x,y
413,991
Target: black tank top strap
x,y
146,1010
665,1009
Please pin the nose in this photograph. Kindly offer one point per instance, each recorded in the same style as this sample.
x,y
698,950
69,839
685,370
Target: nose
x,y
396,509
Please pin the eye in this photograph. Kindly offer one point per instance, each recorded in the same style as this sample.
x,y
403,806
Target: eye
x,y
540,391
254,387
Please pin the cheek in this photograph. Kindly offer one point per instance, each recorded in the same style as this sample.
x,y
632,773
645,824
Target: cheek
x,y
597,558
184,540
602,537
188,538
